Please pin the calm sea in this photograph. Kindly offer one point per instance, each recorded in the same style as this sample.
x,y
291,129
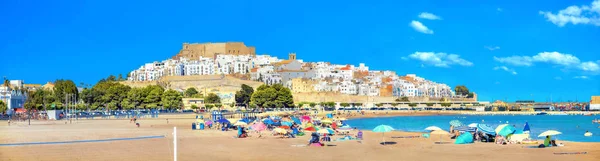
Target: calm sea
x,y
573,127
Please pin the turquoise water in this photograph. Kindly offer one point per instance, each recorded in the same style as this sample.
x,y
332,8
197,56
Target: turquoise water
x,y
572,126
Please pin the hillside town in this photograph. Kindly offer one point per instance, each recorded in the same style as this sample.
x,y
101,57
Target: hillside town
x,y
235,58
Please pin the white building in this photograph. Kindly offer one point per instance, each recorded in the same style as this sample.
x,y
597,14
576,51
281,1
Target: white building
x,y
262,60
368,90
403,88
322,70
202,66
361,67
11,97
347,87
271,78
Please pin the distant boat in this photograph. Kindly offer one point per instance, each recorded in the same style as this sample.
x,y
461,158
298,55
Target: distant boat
x,y
541,113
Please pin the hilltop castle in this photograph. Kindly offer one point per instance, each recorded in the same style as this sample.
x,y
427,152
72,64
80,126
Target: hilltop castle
x,y
211,50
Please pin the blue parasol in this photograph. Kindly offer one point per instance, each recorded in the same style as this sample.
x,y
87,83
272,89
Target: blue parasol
x,y
465,128
222,120
268,121
286,123
296,120
465,138
526,128
486,129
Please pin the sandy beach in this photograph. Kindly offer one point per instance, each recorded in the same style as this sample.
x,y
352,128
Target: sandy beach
x,y
218,145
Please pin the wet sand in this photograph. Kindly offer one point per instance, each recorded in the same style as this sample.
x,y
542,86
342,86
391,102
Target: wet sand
x,y
218,145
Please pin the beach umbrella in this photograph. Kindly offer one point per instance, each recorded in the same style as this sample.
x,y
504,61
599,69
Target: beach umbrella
x,y
345,126
268,121
465,128
286,119
296,120
324,131
440,132
259,126
308,125
209,122
284,127
286,123
486,129
326,121
223,120
432,128
280,130
465,138
240,123
549,133
305,118
246,120
472,125
383,129
526,127
312,129
456,123
497,130
507,130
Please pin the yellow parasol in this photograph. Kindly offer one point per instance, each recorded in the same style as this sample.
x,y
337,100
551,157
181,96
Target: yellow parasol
x,y
500,128
280,130
326,121
440,132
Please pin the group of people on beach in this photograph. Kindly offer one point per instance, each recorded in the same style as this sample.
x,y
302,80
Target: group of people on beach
x,y
291,129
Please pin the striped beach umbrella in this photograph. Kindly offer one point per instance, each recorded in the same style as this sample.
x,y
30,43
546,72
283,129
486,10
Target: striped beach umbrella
x,y
486,129
456,123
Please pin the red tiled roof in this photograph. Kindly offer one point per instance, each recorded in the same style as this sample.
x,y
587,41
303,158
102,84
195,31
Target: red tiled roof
x,y
346,68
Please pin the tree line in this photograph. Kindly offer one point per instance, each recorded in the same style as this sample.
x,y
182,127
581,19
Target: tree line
x,y
108,93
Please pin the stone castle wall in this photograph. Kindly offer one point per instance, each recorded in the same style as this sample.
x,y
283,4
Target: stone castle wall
x,y
210,50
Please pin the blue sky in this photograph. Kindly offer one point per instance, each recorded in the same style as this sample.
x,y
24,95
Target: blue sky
x,y
502,49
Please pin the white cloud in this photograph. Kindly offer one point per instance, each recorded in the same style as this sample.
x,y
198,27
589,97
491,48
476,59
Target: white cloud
x,y
567,61
440,59
585,14
511,71
589,66
581,77
492,48
556,58
558,78
420,27
516,60
429,16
